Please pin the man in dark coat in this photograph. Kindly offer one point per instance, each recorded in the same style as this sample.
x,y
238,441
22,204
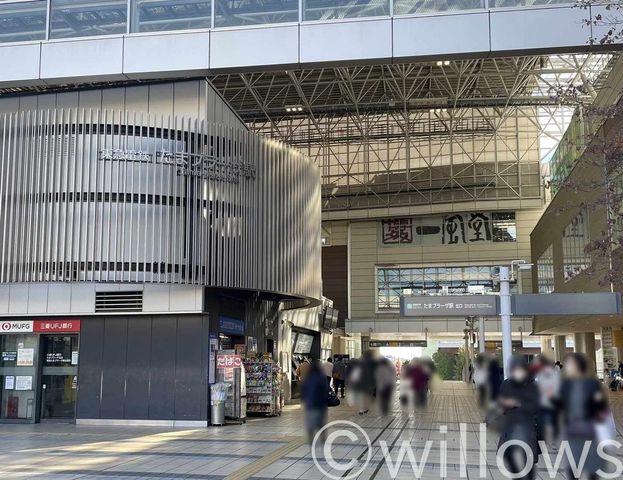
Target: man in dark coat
x,y
519,400
315,395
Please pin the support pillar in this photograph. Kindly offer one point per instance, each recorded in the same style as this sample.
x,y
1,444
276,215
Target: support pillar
x,y
481,335
467,358
585,344
560,347
505,317
546,347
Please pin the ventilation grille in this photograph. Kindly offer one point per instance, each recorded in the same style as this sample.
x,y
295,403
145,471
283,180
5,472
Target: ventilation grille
x,y
119,301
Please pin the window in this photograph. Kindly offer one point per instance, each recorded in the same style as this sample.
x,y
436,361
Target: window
x,y
326,234
545,271
460,280
80,18
575,239
336,9
409,7
231,13
161,15
23,21
504,227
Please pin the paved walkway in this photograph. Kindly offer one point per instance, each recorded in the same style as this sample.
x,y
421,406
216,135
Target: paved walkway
x,y
263,448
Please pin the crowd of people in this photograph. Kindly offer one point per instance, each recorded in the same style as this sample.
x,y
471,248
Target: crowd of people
x,y
542,402
368,381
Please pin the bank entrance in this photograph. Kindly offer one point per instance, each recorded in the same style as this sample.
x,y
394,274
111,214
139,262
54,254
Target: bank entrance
x,y
38,370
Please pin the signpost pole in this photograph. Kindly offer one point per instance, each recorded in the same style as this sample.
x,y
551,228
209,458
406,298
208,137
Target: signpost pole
x,y
481,334
505,316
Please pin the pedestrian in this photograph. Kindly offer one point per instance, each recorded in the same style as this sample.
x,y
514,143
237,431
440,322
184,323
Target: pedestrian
x,y
519,401
385,384
361,381
584,405
481,379
302,369
419,382
548,381
328,370
339,376
495,378
314,394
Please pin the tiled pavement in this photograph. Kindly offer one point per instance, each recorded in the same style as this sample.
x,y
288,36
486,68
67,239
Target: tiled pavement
x,y
263,448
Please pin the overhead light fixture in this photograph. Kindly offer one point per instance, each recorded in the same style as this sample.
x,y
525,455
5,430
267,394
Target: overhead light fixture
x,y
294,108
443,63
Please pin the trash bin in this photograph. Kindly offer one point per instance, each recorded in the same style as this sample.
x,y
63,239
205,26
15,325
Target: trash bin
x,y
218,413
218,396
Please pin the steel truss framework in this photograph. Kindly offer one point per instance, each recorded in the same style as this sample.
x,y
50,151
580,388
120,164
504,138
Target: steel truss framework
x,y
420,133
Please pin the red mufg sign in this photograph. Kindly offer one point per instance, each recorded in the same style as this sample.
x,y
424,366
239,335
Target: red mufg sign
x,y
56,326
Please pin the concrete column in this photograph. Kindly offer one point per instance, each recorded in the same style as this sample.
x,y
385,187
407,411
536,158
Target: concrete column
x,y
560,347
481,335
585,343
467,358
546,347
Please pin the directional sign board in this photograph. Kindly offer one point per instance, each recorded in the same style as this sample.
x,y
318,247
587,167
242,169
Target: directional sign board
x,y
448,305
604,303
398,343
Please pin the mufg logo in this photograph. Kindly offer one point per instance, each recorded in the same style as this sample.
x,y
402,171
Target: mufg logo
x,y
16,327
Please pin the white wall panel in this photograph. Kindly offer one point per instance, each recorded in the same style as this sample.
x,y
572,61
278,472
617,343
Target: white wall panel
x,y
441,35
82,59
343,41
59,297
37,297
261,46
82,298
20,63
166,53
545,28
5,291
18,298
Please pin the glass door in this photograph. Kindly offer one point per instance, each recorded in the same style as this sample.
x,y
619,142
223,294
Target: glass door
x,y
59,377
18,377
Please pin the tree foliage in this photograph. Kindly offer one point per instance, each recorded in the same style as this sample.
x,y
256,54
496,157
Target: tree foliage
x,y
605,18
449,365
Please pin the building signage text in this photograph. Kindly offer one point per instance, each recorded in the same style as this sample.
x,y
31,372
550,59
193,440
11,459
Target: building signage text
x,y
40,326
206,167
454,229
228,361
448,305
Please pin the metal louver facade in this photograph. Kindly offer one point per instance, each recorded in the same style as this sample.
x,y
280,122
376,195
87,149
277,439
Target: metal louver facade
x,y
111,196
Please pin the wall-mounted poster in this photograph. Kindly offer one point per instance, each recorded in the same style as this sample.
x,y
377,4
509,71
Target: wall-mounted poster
x,y
23,382
9,382
9,356
25,357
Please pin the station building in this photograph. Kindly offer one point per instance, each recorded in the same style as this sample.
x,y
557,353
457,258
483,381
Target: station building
x,y
138,223
169,170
